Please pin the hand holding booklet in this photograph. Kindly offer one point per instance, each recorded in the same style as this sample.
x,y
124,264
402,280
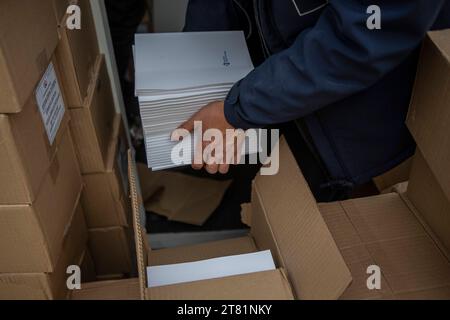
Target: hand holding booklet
x,y
179,73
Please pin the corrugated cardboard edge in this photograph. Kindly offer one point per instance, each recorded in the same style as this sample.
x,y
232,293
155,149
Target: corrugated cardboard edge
x,y
432,49
246,214
137,225
428,230
330,276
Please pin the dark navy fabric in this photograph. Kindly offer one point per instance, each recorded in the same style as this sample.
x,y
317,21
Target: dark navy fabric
x,y
351,86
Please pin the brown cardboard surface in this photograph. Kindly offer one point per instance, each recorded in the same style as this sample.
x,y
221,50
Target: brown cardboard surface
x,y
112,277
105,200
428,198
95,127
441,293
383,231
181,197
342,229
358,260
77,52
31,236
60,7
382,218
87,266
110,249
270,285
127,289
25,153
411,264
43,286
429,114
200,252
394,176
22,63
303,243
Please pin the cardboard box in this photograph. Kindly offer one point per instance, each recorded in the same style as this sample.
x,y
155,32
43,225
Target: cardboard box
x,y
105,197
384,231
44,286
27,150
127,289
285,219
95,127
393,177
323,251
111,250
88,273
28,33
77,52
429,114
429,199
31,235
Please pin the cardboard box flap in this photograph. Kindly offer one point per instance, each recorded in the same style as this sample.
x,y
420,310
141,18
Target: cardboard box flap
x,y
429,113
442,40
428,201
203,251
13,287
304,244
269,285
246,214
127,289
28,36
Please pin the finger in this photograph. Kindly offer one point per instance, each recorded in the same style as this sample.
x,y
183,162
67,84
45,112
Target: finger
x,y
197,166
212,168
224,168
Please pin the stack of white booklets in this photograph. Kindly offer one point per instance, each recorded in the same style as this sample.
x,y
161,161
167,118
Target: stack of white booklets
x,y
176,75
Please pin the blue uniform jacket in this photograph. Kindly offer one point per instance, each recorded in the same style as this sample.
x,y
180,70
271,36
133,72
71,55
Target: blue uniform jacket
x,y
350,85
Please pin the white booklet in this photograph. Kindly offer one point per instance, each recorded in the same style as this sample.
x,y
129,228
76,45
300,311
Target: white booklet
x,y
210,269
191,61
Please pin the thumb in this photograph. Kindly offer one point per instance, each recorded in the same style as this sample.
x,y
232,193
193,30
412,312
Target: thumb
x,y
183,130
188,125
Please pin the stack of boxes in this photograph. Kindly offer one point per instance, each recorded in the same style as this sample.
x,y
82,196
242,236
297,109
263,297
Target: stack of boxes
x,y
42,224
100,145
60,154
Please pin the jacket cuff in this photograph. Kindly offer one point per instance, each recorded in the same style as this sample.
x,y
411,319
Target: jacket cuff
x,y
232,107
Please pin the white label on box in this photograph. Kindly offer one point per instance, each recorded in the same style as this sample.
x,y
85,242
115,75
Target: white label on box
x,y
50,102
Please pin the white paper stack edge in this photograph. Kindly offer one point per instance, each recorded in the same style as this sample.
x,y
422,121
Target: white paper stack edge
x,y
176,75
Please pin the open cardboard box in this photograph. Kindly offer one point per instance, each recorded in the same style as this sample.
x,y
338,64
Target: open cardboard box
x,y
323,251
310,265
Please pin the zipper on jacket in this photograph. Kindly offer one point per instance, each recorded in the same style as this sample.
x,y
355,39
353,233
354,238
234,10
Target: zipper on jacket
x,y
264,46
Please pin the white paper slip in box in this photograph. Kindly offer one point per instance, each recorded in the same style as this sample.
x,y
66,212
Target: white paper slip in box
x,y
210,269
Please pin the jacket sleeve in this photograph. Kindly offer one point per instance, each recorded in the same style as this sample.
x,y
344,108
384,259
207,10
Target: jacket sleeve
x,y
336,58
